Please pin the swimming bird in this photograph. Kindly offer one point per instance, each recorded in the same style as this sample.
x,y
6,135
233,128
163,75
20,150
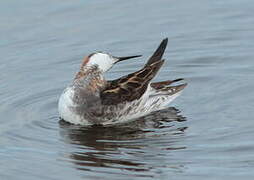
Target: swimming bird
x,y
91,99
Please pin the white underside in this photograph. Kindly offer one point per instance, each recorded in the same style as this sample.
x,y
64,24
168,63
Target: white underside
x,y
66,106
151,101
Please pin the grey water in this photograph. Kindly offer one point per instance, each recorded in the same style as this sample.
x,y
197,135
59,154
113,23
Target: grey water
x,y
206,133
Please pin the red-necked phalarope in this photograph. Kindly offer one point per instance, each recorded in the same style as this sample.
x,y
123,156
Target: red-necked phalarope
x,y
91,99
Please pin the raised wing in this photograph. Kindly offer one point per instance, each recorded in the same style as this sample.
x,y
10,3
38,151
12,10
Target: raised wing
x,y
130,87
157,55
134,85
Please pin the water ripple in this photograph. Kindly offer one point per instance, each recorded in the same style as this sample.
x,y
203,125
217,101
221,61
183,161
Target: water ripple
x,y
125,146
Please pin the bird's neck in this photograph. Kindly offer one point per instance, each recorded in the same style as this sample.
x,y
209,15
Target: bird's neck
x,y
90,77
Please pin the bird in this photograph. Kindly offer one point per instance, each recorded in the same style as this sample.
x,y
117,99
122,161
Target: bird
x,y
90,99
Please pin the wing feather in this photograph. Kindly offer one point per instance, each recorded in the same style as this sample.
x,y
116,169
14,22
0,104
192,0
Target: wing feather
x,y
134,85
157,55
130,87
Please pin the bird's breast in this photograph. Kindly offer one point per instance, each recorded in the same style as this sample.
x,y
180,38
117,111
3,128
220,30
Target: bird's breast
x,y
67,106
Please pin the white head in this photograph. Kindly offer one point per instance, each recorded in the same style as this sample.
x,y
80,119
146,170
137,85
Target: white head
x,y
103,61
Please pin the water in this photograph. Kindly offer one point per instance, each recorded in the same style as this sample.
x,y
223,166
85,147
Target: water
x,y
207,133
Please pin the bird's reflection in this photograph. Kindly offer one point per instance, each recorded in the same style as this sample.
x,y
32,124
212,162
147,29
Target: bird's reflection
x,y
99,146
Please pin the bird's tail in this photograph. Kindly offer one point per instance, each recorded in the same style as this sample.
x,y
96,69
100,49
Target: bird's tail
x,y
166,87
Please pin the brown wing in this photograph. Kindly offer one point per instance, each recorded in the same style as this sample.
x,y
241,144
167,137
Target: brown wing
x,y
130,87
134,85
166,86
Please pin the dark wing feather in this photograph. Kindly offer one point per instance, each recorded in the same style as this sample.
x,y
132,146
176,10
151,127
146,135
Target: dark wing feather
x,y
157,55
129,87
163,84
166,86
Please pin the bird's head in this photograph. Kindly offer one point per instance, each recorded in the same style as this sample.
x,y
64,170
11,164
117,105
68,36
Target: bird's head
x,y
103,61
